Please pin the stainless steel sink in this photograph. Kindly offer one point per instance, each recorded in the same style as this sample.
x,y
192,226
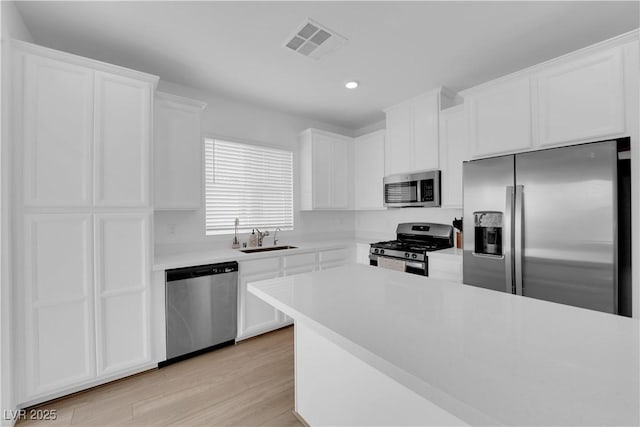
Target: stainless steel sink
x,y
267,249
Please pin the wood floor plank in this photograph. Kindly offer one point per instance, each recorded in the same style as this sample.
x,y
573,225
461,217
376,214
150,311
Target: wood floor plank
x,y
248,384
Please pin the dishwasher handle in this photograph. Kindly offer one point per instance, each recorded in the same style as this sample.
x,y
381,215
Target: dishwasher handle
x,y
201,270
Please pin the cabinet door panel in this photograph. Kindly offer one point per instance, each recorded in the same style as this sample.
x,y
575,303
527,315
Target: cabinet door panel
x,y
501,118
58,307
322,153
425,133
369,171
333,258
64,346
301,260
58,255
122,252
177,156
256,316
453,151
259,266
58,133
582,100
122,120
340,168
122,280
398,140
123,338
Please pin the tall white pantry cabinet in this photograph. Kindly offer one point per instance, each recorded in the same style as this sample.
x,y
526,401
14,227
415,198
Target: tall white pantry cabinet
x,y
82,221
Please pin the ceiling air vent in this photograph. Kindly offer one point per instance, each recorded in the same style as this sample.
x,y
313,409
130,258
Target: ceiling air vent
x,y
314,40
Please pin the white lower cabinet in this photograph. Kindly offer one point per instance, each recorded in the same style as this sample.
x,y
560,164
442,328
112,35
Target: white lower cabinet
x,y
122,291
446,267
362,253
255,316
59,348
333,258
297,264
85,298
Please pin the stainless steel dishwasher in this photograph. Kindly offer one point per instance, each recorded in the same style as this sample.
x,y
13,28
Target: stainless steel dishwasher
x,y
201,306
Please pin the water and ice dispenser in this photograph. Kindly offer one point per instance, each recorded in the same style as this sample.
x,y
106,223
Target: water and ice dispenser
x,y
488,233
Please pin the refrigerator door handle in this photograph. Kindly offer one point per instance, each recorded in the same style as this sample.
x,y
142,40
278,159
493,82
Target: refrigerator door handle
x,y
507,240
518,223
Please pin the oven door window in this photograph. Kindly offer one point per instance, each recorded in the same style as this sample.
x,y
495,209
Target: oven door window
x,y
401,192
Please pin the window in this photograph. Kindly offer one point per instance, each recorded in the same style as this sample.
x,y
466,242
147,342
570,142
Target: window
x,y
249,182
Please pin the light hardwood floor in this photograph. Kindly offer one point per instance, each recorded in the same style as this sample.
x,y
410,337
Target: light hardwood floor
x,y
248,384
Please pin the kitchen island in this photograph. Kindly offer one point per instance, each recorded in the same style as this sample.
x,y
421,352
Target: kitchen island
x,y
376,346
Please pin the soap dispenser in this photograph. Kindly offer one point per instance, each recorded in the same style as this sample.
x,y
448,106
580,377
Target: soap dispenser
x,y
253,239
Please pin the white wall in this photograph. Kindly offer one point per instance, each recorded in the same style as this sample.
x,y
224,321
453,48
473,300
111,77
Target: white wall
x,y
240,121
12,27
381,225
12,23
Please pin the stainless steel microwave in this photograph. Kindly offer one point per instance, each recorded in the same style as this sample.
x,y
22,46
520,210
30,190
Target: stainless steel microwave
x,y
420,189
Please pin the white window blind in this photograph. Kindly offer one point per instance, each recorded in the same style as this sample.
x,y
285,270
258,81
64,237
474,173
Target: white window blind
x,y
249,182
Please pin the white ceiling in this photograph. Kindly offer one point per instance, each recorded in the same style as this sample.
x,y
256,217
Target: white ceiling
x,y
396,49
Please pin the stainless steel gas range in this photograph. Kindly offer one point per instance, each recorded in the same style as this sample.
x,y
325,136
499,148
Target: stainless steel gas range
x,y
409,251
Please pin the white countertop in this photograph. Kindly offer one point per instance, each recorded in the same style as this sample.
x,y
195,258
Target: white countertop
x,y
454,253
200,257
484,356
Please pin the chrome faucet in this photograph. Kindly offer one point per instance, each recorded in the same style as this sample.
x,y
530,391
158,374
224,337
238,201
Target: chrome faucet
x,y
261,235
275,236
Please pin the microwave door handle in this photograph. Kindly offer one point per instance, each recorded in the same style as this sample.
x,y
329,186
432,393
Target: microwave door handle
x,y
507,242
518,223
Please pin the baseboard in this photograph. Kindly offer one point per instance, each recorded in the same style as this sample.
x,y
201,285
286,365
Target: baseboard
x,y
300,418
63,393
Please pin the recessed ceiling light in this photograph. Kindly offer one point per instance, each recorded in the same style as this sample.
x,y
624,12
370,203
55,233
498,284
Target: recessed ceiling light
x,y
351,85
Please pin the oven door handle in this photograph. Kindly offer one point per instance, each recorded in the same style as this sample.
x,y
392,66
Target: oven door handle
x,y
415,264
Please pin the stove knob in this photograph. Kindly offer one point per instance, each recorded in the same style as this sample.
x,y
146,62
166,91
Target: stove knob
x,y
381,251
376,250
414,256
406,254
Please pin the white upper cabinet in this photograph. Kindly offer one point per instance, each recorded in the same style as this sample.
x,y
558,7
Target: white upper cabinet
x,y
177,152
341,168
426,109
399,139
58,133
122,140
453,151
582,99
369,171
326,177
411,142
584,96
500,117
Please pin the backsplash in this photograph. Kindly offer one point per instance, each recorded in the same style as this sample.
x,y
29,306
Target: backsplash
x,y
381,225
184,231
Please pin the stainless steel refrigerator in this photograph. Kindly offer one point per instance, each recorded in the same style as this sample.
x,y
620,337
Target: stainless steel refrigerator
x,y
544,224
